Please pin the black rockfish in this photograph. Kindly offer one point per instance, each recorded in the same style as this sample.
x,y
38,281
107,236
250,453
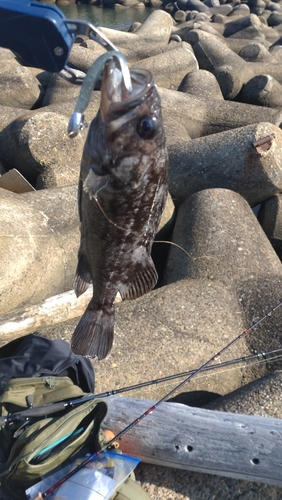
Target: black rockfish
x,y
122,193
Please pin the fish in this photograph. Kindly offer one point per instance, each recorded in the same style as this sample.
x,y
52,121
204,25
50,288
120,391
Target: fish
x,y
121,195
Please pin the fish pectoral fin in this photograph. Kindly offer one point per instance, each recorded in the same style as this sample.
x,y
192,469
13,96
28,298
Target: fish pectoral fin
x,y
94,333
94,182
82,278
144,280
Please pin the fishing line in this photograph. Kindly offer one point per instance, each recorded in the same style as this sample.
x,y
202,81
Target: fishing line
x,y
112,222
223,367
95,197
162,400
133,232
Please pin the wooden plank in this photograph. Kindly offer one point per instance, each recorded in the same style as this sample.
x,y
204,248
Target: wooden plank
x,y
49,312
178,436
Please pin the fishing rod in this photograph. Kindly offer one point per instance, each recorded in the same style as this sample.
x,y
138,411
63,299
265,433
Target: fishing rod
x,y
159,402
40,411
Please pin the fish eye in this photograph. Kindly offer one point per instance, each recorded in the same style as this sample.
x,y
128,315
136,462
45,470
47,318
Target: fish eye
x,y
147,126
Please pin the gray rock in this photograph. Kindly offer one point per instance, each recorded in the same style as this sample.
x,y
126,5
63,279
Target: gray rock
x,y
272,34
182,5
213,116
222,240
192,36
240,24
231,79
40,143
256,52
274,19
180,16
239,10
66,108
132,54
82,58
19,88
230,70
261,397
276,51
202,84
176,134
216,56
206,27
38,247
257,7
191,32
221,9
230,160
162,483
161,243
62,174
264,16
212,3
8,115
155,29
124,4
171,66
8,60
273,6
203,18
167,219
262,90
58,90
160,332
237,44
197,5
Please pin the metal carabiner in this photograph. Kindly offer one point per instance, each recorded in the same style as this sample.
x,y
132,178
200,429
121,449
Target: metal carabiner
x,y
78,27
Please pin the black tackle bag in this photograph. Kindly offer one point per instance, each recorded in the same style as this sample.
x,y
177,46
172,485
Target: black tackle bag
x,y
35,356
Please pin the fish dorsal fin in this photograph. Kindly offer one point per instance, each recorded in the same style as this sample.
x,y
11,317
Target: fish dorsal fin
x,y
144,280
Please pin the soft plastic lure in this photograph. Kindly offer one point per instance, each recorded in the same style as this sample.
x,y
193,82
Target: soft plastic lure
x,y
76,123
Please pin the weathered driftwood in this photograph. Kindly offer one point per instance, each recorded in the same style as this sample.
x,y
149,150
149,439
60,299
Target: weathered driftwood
x,y
179,436
49,312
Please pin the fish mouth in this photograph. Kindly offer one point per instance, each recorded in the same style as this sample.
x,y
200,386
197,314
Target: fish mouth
x,y
115,98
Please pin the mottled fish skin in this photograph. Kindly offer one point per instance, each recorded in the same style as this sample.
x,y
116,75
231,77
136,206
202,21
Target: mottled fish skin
x,y
122,193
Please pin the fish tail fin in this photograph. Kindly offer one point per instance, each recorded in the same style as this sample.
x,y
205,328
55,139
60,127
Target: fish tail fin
x,y
94,333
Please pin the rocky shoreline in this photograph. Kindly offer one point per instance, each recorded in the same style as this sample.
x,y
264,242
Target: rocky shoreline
x,y
218,69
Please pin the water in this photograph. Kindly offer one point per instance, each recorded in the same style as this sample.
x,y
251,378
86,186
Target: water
x,y
109,18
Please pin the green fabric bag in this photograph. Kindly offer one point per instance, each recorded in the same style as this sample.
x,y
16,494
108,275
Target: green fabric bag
x,y
21,392
35,447
130,490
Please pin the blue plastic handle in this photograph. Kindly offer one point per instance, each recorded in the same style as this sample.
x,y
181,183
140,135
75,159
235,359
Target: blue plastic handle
x,y
36,33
